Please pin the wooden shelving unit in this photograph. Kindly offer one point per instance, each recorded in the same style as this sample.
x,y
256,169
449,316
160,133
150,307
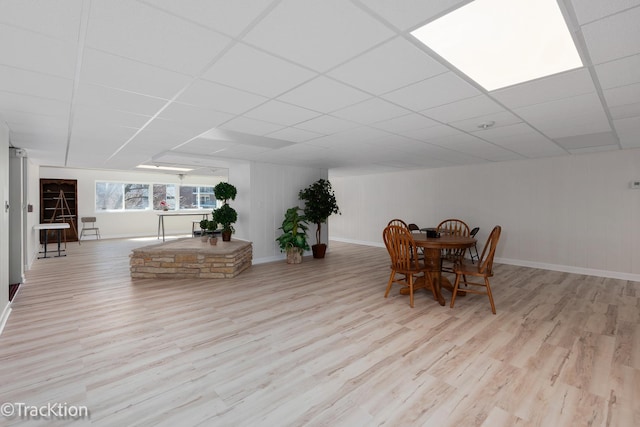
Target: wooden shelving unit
x,y
59,203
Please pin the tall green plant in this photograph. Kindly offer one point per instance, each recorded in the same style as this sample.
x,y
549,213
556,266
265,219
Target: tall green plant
x,y
319,204
294,231
225,215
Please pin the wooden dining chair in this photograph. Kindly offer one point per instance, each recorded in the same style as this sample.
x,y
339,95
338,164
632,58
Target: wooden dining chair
x,y
483,269
448,257
474,248
398,222
401,247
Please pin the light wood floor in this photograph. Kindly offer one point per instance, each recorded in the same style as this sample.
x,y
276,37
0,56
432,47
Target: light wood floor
x,y
316,344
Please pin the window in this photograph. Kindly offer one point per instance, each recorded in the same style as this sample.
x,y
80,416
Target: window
x,y
121,196
116,196
197,197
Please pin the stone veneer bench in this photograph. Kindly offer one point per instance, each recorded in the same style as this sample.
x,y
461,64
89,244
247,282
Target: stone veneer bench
x,y
191,258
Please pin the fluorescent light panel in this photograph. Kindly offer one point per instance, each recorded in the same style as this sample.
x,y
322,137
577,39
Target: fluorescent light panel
x,y
500,43
165,168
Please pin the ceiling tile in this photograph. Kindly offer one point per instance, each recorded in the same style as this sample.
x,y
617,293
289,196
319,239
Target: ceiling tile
x,y
257,72
405,123
194,116
563,85
620,72
281,113
625,111
59,19
251,126
121,73
36,84
407,14
327,125
167,41
36,52
584,141
614,37
503,118
591,10
298,30
388,67
623,95
531,144
464,109
294,135
106,97
324,95
230,17
371,111
34,105
628,131
218,97
432,92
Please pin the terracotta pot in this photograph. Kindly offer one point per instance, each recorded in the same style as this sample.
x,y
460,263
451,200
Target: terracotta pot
x,y
213,240
319,250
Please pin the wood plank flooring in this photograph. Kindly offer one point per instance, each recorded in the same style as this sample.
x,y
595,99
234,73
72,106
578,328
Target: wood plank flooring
x,y
316,344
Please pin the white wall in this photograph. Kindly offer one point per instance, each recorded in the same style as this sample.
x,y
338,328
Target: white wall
x,y
573,213
5,308
125,224
265,191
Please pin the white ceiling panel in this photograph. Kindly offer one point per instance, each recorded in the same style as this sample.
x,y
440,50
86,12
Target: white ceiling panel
x,y
439,90
591,10
464,109
36,84
302,31
586,141
57,19
37,52
93,95
579,115
167,42
230,17
194,116
559,86
326,84
405,123
324,95
220,98
371,111
121,73
613,37
281,113
503,118
407,14
262,73
388,67
624,95
294,135
628,131
619,72
252,126
327,125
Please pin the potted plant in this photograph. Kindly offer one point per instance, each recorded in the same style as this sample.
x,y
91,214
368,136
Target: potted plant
x,y
320,203
293,239
208,227
225,215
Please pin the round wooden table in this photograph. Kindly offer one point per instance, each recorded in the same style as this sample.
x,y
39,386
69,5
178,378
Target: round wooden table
x,y
432,247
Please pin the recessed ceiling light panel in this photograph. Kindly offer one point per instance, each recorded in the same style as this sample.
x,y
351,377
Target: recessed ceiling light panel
x,y
500,43
164,168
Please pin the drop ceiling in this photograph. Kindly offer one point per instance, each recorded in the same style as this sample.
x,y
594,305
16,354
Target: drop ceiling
x,y
336,84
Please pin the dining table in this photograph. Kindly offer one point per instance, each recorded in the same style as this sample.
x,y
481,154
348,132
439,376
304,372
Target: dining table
x,y
432,248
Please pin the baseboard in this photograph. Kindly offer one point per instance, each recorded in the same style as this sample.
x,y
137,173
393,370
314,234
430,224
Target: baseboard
x,y
571,269
5,316
543,266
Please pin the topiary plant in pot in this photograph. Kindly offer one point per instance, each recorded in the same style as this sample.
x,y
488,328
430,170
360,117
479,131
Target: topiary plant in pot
x,y
320,203
225,215
293,239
